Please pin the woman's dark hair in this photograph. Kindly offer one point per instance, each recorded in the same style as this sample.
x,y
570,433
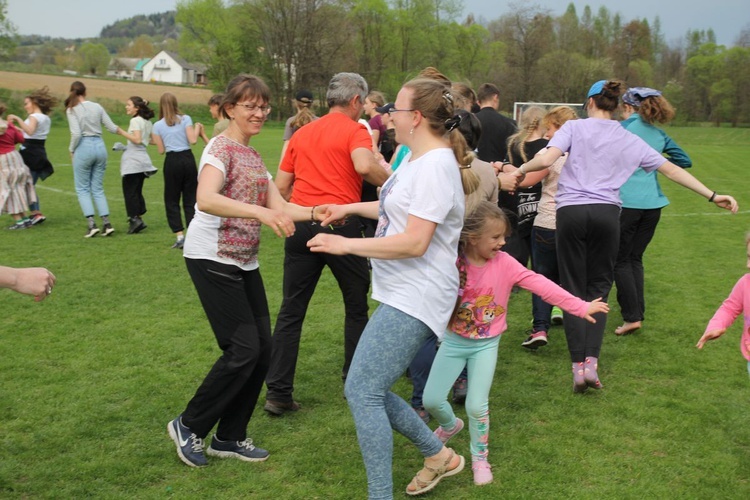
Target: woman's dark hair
x,y
215,100
77,89
470,127
243,87
141,105
609,98
43,99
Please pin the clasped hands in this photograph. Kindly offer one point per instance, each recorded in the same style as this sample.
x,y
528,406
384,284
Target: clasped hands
x,y
507,180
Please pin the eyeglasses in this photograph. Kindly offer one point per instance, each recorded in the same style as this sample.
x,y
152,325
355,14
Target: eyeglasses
x,y
394,110
252,108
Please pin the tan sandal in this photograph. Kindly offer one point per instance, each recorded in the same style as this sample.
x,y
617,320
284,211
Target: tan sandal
x,y
421,486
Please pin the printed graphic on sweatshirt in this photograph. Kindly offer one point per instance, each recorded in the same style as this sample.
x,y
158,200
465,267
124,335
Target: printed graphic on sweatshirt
x,y
476,313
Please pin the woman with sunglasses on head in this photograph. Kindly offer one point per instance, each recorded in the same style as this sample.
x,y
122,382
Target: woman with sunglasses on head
x,y
413,256
235,197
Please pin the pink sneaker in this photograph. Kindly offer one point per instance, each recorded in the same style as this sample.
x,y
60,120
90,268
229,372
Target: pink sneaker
x,y
482,472
444,435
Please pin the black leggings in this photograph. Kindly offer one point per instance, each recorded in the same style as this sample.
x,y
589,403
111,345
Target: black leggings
x,y
587,241
180,181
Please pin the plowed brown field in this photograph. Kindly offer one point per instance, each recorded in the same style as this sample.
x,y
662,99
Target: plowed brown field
x,y
95,88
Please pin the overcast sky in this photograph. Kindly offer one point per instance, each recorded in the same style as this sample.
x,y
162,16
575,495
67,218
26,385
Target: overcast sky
x,y
726,17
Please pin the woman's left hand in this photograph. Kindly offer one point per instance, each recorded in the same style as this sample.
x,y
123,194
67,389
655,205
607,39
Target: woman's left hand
x,y
277,220
328,243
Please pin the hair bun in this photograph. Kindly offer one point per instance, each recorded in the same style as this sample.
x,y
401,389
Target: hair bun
x,y
453,122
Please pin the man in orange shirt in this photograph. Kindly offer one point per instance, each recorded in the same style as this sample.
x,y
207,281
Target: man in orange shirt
x,y
325,163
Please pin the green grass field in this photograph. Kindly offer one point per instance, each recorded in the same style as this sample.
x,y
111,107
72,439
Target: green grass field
x,y
90,377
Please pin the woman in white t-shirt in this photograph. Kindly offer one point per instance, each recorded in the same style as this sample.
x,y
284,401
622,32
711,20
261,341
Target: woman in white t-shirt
x,y
35,128
136,165
414,277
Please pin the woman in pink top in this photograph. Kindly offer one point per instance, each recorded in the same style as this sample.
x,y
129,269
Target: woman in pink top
x,y
737,303
602,156
487,276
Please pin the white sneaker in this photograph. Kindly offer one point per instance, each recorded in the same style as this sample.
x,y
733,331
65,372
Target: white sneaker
x,y
93,231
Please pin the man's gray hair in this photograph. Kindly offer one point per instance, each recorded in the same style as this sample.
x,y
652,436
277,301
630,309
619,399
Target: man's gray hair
x,y
343,87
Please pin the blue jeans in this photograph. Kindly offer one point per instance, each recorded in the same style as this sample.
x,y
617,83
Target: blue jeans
x,y
89,165
544,260
387,346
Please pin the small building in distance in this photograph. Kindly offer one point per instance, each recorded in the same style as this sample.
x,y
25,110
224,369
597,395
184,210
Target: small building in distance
x,y
127,68
168,67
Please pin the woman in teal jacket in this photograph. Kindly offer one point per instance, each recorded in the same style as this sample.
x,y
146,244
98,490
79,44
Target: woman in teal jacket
x,y
642,200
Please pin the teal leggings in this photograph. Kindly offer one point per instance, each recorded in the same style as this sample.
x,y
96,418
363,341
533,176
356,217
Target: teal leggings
x,y
480,356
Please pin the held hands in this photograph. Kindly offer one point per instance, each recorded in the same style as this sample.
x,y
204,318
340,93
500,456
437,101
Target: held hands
x,y
711,335
726,202
331,213
596,306
277,220
507,182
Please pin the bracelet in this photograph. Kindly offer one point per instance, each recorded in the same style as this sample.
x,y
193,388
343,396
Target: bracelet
x,y
711,199
312,214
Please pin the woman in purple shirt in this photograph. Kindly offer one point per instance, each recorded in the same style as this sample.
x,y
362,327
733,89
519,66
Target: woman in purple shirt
x,y
602,156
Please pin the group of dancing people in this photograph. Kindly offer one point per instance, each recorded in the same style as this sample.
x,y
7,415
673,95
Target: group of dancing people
x,y
173,135
437,261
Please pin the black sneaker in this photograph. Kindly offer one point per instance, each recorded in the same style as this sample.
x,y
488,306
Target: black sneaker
x,y
93,231
244,450
459,390
107,230
189,446
136,225
279,407
19,225
37,219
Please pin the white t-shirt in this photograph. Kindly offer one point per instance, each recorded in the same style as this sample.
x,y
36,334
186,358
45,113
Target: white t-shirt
x,y
424,287
43,124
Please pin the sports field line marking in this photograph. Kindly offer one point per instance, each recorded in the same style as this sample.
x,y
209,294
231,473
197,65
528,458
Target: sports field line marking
x,y
72,193
692,214
708,214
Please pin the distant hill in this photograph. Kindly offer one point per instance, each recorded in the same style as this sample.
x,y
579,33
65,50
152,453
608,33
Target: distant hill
x,y
155,25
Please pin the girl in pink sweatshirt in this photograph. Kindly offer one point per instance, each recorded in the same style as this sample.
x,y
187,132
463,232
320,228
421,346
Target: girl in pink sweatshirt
x,y
737,303
487,276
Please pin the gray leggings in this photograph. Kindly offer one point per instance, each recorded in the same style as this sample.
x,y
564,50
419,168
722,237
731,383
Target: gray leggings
x,y
387,346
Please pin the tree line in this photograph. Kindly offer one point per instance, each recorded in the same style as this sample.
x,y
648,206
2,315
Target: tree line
x,y
529,53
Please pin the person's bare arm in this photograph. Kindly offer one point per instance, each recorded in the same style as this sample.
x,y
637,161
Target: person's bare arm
x,y
368,167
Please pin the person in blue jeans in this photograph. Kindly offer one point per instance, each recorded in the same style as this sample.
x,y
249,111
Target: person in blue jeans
x,y
89,155
414,277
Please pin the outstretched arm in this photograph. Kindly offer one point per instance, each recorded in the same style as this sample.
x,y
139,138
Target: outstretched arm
x,y
683,178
